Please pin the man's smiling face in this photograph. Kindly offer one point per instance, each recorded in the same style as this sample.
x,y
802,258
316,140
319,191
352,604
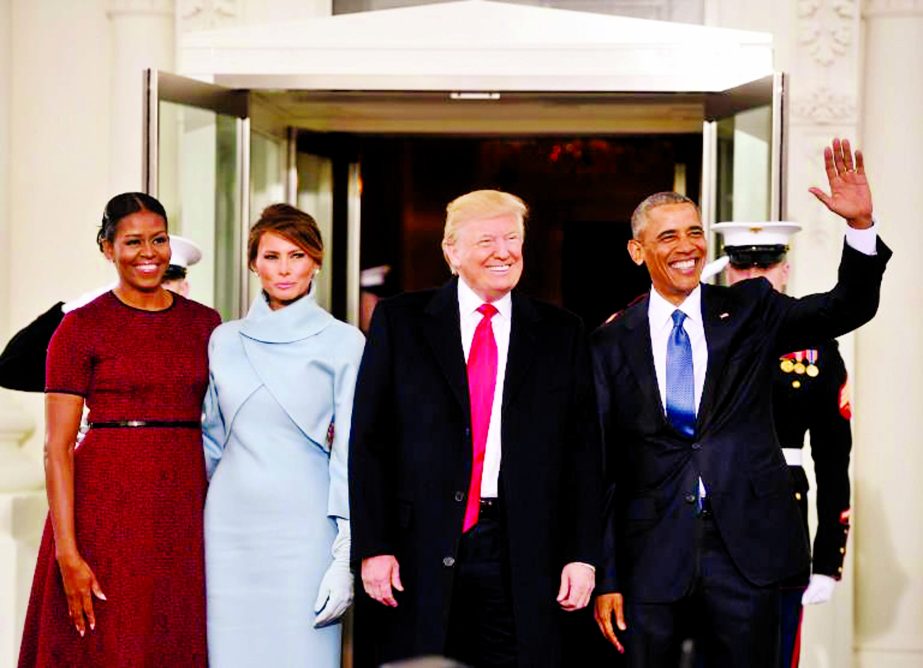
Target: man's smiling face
x,y
487,255
672,246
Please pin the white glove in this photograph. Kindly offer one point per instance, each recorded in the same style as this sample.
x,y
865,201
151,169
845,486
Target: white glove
x,y
819,590
336,587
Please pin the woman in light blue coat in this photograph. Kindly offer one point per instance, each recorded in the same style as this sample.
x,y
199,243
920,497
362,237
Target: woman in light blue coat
x,y
277,419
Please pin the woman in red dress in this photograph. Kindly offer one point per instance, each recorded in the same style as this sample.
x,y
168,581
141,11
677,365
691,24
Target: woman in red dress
x,y
120,574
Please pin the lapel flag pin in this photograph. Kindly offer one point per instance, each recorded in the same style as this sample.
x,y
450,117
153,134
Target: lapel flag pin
x,y
724,315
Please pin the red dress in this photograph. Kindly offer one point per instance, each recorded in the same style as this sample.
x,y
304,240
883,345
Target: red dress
x,y
139,492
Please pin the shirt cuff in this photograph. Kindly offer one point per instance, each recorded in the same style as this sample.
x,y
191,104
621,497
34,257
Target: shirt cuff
x,y
864,241
583,563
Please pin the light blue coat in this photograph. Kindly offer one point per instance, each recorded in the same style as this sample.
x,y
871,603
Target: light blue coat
x,y
276,435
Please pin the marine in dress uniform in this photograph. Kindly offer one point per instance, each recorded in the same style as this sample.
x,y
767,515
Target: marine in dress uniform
x,y
22,362
810,395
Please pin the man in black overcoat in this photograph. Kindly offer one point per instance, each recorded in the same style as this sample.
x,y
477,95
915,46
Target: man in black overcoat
x,y
476,523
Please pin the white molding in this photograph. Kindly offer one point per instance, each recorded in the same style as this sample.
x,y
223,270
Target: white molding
x,y
117,7
207,14
874,8
827,28
824,106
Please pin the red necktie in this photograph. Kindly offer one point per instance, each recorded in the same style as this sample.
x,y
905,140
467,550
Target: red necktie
x,y
482,378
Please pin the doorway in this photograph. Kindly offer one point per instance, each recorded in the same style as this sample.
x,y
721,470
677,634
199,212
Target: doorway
x,y
581,191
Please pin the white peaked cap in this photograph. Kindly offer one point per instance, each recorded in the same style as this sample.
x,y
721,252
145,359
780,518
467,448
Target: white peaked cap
x,y
760,233
185,251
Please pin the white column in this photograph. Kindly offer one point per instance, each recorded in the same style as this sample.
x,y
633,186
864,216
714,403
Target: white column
x,y
6,86
22,502
142,37
818,44
22,509
889,591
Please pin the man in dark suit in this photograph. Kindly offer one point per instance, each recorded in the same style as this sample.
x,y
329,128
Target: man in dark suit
x,y
474,461
701,521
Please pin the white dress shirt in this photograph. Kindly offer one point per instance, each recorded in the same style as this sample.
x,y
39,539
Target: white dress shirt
x,y
660,319
468,304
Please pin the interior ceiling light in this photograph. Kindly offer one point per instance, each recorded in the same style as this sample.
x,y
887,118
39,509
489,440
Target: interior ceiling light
x,y
474,95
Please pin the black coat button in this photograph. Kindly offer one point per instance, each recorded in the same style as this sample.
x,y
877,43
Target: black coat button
x,y
690,498
459,496
448,562
696,446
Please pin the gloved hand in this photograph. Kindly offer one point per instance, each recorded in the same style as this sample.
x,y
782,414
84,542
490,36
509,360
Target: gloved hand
x,y
819,590
336,587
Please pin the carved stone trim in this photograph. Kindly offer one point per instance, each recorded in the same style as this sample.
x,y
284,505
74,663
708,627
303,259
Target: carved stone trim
x,y
117,7
892,8
825,106
826,28
207,14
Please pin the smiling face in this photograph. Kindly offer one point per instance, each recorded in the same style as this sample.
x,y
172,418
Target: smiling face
x,y
672,246
140,250
284,268
487,255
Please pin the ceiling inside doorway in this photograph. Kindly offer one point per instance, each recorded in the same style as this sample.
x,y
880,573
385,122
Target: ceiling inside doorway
x,y
470,113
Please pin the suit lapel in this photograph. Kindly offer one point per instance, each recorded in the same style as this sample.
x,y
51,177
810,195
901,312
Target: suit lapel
x,y
443,334
717,319
523,341
640,355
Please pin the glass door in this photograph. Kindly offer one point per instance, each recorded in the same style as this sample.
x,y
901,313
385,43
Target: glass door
x,y
327,183
743,154
196,162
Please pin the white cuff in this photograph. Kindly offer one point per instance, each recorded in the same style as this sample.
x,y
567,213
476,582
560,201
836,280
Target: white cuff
x,y
864,241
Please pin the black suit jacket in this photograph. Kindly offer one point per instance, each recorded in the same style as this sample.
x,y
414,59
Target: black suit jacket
x,y
22,362
410,461
652,470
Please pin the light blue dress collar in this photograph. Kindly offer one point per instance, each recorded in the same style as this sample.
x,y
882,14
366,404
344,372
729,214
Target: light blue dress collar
x,y
299,320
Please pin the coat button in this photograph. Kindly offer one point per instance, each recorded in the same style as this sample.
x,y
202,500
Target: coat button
x,y
459,496
467,432
696,446
690,498
448,562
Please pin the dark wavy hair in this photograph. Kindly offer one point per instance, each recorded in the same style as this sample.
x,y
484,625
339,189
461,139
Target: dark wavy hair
x,y
124,205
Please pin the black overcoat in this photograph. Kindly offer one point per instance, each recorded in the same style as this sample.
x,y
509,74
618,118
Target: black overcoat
x,y
410,460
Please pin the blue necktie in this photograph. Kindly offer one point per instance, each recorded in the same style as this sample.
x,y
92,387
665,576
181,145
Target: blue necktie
x,y
680,379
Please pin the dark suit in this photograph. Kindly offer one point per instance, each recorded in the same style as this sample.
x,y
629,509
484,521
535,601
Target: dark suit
x,y
814,402
22,362
410,463
652,470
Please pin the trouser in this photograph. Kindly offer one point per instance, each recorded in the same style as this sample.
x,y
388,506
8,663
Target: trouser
x,y
790,616
481,631
735,624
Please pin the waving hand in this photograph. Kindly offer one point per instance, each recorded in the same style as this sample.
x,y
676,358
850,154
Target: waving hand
x,y
850,196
